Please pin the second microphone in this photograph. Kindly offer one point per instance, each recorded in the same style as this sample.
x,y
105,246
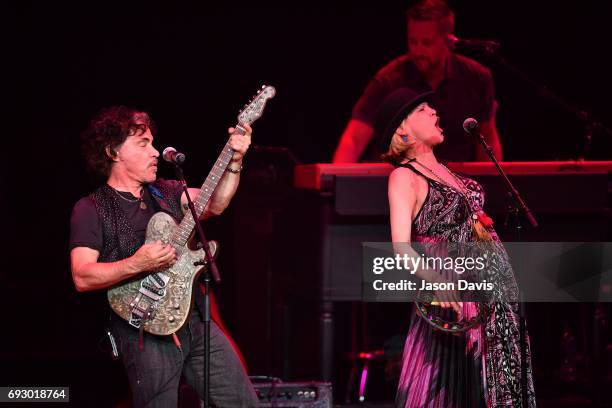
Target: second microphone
x,y
172,156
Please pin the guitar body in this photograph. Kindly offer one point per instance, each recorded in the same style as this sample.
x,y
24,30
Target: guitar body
x,y
171,311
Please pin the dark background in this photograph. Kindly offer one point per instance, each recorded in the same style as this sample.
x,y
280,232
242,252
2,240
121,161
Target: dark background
x,y
192,66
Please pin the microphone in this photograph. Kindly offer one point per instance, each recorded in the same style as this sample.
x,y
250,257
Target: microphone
x,y
172,156
471,126
473,44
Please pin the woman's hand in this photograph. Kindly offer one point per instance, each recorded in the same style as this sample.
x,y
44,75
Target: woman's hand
x,y
448,298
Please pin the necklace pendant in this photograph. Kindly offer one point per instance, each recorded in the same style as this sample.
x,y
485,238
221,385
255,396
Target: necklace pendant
x,y
143,205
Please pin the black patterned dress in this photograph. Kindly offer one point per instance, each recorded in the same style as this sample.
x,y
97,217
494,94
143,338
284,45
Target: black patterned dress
x,y
481,367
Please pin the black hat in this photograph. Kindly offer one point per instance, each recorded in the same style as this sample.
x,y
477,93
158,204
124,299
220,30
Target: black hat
x,y
394,110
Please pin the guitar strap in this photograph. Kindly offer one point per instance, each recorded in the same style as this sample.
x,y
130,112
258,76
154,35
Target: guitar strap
x,y
167,195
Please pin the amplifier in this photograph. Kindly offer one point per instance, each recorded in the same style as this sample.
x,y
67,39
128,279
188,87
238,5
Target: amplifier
x,y
280,394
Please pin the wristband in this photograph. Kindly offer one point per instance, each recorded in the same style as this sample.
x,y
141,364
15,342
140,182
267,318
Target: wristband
x,y
235,171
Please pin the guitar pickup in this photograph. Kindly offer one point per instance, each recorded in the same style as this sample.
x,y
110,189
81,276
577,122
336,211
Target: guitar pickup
x,y
157,295
159,280
147,289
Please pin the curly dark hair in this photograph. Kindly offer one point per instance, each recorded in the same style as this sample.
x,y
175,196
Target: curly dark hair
x,y
109,128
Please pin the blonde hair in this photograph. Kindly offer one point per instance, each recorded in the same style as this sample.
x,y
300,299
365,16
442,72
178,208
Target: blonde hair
x,y
398,149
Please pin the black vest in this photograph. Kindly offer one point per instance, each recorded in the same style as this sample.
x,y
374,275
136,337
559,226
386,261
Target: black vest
x,y
119,239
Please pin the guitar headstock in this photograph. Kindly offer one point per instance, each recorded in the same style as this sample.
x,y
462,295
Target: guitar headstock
x,y
253,110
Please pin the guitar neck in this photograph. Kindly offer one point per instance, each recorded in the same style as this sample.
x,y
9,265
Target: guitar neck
x,y
182,233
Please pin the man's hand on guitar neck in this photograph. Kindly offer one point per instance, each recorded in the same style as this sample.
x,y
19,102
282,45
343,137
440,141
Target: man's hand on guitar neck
x,y
229,182
239,142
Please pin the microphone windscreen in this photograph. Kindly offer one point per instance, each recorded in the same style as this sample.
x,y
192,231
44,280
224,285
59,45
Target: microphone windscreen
x,y
179,158
470,125
167,153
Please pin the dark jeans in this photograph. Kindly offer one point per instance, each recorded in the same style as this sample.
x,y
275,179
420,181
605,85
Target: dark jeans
x,y
154,372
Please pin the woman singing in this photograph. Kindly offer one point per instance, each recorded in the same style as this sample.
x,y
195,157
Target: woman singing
x,y
429,203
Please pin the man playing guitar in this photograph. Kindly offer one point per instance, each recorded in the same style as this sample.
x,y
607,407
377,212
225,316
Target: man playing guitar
x,y
108,247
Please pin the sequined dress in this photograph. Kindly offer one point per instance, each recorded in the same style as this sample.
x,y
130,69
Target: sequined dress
x,y
478,368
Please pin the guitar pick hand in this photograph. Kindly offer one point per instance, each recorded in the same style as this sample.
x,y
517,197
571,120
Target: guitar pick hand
x,y
154,256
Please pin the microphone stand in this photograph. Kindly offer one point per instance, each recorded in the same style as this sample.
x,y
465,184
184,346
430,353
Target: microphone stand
x,y
516,208
590,123
206,276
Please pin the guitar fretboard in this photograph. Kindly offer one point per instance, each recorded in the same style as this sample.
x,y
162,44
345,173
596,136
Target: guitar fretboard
x,y
183,231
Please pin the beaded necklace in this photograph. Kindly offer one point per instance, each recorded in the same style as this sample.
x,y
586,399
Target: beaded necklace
x,y
461,188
